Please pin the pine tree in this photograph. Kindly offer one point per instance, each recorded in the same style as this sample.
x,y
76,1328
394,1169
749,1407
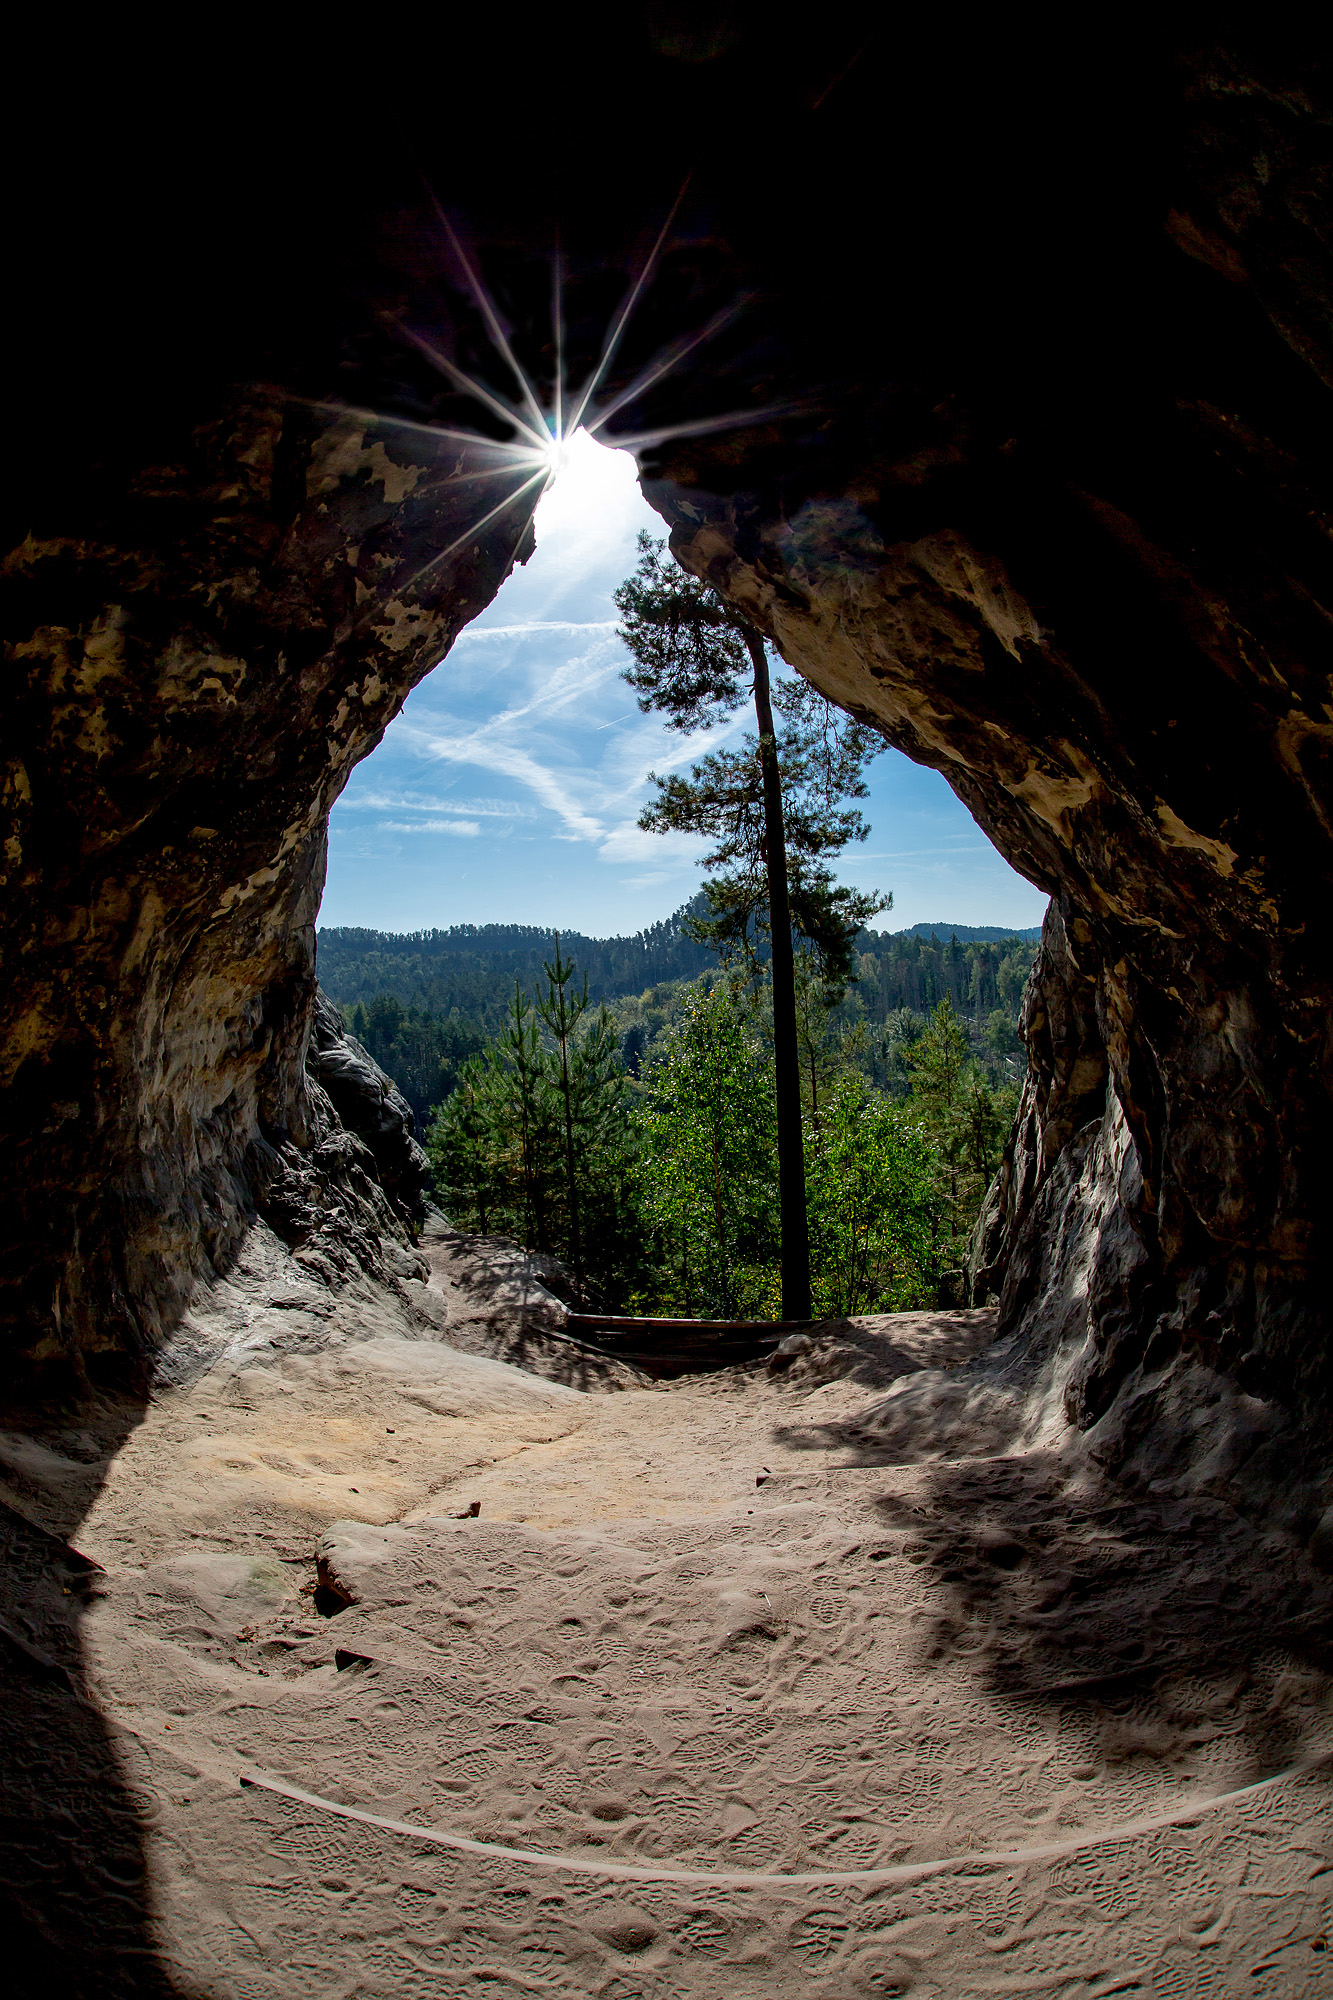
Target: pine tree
x,y
874,1203
707,1175
776,810
562,1013
967,1121
536,1140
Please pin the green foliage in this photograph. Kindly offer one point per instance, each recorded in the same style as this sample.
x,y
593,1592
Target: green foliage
x,y
967,1122
463,980
831,1039
874,1204
535,1142
690,655
663,1192
691,663
472,967
424,1053
1000,1035
902,980
708,1169
475,1151
775,809
492,1142
906,971
586,1078
938,1063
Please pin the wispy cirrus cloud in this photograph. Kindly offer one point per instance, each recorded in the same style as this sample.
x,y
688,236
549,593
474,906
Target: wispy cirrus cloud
x,y
492,753
627,841
414,801
588,799
962,846
532,627
466,826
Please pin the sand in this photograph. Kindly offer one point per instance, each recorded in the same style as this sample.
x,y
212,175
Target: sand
x,y
714,1634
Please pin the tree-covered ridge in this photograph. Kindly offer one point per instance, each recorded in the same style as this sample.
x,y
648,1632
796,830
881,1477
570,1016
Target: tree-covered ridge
x,y
902,970
422,1004
472,967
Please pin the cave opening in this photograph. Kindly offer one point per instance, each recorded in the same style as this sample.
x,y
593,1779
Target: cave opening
x,y
1035,479
508,787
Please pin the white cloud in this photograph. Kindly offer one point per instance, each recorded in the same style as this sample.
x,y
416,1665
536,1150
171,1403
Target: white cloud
x,y
413,801
535,625
632,753
554,685
468,826
628,841
483,749
584,796
915,853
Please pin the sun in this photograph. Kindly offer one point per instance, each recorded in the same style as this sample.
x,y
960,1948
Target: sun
x,y
555,457
536,453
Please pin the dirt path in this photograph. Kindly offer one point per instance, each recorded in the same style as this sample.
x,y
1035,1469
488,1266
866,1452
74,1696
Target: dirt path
x,y
713,1627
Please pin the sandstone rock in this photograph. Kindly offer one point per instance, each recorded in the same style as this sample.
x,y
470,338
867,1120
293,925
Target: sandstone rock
x,y
370,1104
1055,522
790,1348
1320,1545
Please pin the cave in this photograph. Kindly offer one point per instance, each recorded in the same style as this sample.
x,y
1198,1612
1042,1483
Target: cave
x,y
998,398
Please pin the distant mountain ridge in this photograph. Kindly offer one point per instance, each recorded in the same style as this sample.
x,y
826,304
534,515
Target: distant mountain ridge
x,y
472,967
423,1002
968,933
660,951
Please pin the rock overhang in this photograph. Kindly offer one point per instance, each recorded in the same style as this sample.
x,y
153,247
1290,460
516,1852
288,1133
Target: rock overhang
x,y
1031,477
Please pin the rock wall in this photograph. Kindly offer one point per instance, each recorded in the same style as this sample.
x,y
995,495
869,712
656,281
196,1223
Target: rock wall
x,y
1011,426
1107,623
196,670
1177,1022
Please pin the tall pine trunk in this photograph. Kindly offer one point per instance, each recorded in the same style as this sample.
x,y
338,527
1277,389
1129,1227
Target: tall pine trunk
x,y
559,1015
786,1050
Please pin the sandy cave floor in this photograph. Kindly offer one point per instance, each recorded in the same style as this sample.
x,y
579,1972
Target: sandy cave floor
x,y
710,1625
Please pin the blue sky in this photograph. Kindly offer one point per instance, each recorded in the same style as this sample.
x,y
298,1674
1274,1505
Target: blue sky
x,y
508,789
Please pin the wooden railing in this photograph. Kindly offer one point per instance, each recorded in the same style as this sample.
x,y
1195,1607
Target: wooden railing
x,y
666,1347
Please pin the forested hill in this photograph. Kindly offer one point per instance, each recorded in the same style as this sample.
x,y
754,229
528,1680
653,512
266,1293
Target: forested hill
x,y
423,1002
472,967
967,933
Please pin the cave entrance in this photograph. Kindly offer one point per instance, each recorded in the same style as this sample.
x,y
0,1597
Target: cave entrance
x,y
508,788
1073,308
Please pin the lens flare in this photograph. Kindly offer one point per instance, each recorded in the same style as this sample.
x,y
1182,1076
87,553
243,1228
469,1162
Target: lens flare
x,y
533,457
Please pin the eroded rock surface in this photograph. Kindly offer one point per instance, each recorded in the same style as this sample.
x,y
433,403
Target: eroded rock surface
x,y
1104,617
233,638
1009,422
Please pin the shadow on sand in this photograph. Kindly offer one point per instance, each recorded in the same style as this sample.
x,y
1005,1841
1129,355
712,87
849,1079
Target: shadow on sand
x,y
1169,1620
73,1871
